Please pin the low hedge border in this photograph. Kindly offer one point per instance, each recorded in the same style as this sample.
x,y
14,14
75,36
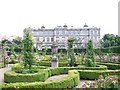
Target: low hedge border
x,y
98,67
48,63
43,74
12,76
18,67
94,74
112,66
69,81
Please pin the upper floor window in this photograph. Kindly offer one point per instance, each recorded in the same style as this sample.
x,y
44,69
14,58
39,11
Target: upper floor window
x,y
79,32
95,32
57,32
52,39
69,32
91,32
63,32
72,32
98,32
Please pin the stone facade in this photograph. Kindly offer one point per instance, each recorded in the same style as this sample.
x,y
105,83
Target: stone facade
x,y
60,34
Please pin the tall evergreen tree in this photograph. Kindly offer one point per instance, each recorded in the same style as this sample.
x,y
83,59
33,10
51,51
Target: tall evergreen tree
x,y
28,49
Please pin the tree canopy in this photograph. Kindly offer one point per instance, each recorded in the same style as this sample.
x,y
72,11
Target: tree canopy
x,y
109,40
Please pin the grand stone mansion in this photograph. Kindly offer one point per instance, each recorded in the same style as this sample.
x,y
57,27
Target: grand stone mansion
x,y
60,34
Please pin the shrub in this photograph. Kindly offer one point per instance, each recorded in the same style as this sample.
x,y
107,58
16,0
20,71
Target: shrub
x,y
17,68
94,74
109,81
46,58
12,77
48,63
62,58
112,66
67,82
45,63
90,59
70,50
98,67
63,50
79,50
113,49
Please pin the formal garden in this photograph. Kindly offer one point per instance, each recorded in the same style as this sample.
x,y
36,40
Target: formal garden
x,y
32,67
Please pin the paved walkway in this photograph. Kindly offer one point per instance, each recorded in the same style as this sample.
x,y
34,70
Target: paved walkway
x,y
2,71
82,82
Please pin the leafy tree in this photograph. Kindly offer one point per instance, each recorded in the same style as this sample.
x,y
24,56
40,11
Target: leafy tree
x,y
28,49
117,40
71,54
17,43
90,59
109,40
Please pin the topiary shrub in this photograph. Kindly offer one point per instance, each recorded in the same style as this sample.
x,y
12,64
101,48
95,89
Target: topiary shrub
x,y
17,68
90,59
71,55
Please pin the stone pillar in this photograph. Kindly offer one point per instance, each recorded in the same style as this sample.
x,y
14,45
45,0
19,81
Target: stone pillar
x,y
54,61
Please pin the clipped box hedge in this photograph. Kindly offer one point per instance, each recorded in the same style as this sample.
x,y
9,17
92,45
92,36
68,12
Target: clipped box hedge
x,y
48,63
11,76
94,74
98,67
44,73
69,81
41,75
18,68
112,66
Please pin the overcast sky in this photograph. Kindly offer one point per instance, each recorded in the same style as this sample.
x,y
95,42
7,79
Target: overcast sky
x,y
15,15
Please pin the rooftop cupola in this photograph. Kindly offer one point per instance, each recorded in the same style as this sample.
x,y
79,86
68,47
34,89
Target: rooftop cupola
x,y
65,26
85,25
42,27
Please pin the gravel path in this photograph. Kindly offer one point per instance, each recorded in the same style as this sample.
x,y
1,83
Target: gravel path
x,y
56,77
2,71
82,82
